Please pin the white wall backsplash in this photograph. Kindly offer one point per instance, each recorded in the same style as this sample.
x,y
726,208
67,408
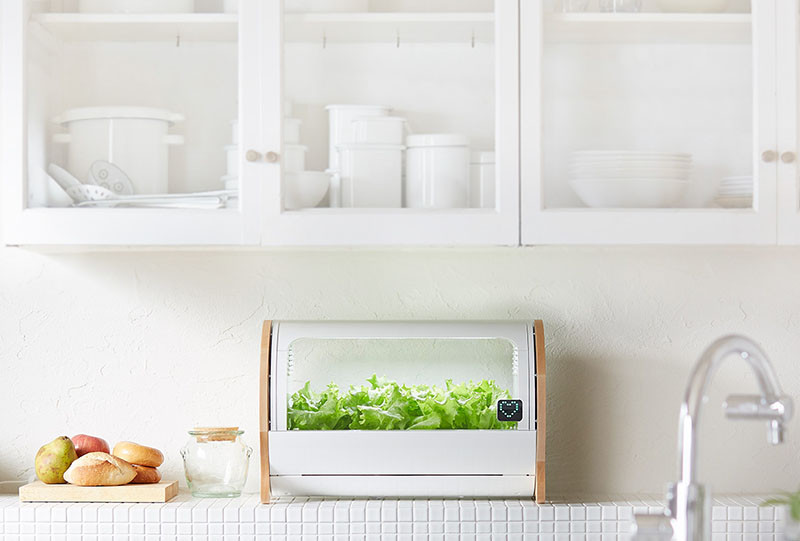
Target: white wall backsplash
x,y
144,345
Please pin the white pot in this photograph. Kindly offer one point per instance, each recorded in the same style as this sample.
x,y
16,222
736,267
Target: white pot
x,y
371,176
135,139
325,5
232,155
482,180
136,6
340,120
379,130
291,130
437,171
294,158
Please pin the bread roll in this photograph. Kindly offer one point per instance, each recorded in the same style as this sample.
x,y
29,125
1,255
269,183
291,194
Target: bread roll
x,y
138,454
99,469
145,475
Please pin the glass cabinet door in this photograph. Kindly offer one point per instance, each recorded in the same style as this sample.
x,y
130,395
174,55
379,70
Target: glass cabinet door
x,y
129,122
648,121
788,36
392,122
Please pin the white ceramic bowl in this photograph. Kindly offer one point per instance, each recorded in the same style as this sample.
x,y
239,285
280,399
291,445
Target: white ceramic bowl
x,y
692,6
305,189
639,172
629,193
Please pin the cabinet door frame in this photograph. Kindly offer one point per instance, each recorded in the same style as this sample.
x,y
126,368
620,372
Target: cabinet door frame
x,y
399,227
788,198
118,227
540,225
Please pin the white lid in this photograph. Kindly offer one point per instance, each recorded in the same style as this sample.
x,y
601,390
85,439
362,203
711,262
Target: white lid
x,y
99,113
354,106
437,140
379,119
481,156
368,146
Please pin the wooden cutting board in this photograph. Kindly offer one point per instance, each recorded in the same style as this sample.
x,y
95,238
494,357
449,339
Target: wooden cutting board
x,y
154,493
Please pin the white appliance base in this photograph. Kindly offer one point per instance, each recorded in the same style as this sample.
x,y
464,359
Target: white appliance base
x,y
434,486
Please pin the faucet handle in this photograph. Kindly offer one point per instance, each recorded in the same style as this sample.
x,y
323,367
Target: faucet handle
x,y
745,406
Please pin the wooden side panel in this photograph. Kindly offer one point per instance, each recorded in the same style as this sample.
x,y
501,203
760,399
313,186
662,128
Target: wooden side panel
x,y
263,409
541,410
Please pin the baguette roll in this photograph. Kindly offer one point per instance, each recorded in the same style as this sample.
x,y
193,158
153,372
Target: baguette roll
x,y
145,475
99,469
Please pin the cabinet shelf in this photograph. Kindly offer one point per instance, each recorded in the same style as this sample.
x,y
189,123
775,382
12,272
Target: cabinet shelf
x,y
390,27
146,27
648,28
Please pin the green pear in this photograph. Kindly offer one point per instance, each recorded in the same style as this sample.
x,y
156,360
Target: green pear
x,y
53,459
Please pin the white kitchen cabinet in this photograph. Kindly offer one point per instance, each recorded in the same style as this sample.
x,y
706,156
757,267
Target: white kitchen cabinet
x,y
788,35
703,84
446,66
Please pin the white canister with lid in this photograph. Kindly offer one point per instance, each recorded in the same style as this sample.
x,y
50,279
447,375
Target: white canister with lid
x,y
482,180
370,176
340,120
294,158
135,139
437,171
379,130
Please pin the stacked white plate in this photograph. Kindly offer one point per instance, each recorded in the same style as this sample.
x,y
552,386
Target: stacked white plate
x,y
735,192
629,178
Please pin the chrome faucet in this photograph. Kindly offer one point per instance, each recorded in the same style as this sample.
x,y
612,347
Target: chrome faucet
x,y
687,517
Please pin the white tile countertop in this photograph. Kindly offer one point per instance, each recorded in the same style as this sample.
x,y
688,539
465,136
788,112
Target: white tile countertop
x,y
737,518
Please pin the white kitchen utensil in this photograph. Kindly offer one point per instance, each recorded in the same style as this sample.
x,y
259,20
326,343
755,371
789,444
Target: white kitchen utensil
x,y
371,176
379,130
136,139
136,6
109,176
340,119
294,158
63,178
305,189
291,130
437,171
482,180
629,193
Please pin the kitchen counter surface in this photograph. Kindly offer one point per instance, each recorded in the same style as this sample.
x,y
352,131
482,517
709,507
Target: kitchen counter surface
x,y
737,518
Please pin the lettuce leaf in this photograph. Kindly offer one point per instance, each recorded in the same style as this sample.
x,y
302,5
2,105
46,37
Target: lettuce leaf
x,y
387,405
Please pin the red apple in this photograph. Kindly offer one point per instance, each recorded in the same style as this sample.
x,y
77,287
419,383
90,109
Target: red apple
x,y
89,444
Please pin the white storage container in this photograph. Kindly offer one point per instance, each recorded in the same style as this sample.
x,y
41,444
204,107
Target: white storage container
x,y
379,130
232,154
294,158
136,6
340,119
326,5
291,130
437,171
135,139
371,176
482,180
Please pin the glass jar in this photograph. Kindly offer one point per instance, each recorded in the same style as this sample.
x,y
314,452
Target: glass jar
x,y
215,461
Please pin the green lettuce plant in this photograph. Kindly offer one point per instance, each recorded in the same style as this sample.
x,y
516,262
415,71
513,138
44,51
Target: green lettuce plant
x,y
386,405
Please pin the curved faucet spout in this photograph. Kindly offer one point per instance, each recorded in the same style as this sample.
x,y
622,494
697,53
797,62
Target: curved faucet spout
x,y
771,405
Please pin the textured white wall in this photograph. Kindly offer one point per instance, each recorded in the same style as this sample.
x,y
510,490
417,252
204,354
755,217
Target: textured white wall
x,y
142,346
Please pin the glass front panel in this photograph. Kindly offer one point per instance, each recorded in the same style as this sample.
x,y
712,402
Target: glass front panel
x,y
648,104
389,104
130,101
402,384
